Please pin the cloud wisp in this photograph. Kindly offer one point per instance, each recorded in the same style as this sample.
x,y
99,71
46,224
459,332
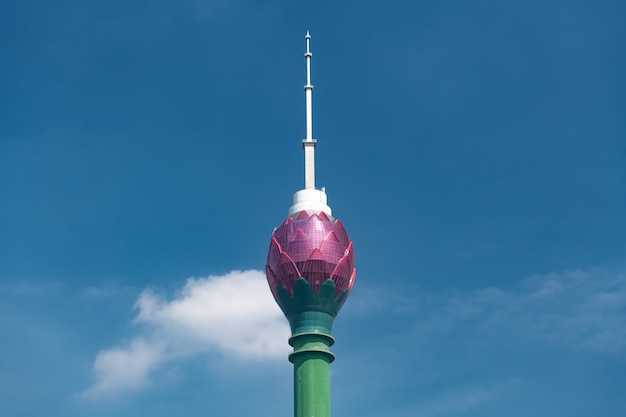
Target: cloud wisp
x,y
574,309
577,309
232,315
502,339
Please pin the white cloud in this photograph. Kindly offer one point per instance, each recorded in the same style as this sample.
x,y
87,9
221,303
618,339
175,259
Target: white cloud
x,y
577,309
574,309
126,367
233,315
496,336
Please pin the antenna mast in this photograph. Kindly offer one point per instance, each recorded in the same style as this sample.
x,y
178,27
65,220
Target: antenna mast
x,y
309,199
309,143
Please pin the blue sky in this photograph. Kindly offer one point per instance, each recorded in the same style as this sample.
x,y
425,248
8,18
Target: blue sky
x,y
474,150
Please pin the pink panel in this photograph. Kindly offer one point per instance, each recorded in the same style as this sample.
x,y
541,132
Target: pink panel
x,y
310,246
303,215
271,279
342,236
274,253
300,246
286,272
317,255
341,274
332,249
316,272
350,252
352,277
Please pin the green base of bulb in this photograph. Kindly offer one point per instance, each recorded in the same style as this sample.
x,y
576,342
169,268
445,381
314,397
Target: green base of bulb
x,y
308,312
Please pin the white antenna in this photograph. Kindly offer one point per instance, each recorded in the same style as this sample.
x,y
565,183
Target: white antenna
x,y
309,199
309,143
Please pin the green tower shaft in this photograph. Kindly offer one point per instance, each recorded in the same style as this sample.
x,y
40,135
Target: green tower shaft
x,y
311,358
311,318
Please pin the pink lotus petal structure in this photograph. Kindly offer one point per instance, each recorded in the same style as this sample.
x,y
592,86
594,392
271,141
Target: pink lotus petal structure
x,y
313,247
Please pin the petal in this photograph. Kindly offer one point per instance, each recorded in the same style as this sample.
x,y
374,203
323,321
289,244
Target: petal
x,y
316,270
352,277
299,247
271,279
286,272
274,253
283,233
316,255
342,273
315,229
332,249
350,253
323,216
303,215
342,236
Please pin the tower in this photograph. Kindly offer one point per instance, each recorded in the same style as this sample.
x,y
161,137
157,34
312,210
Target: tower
x,y
310,271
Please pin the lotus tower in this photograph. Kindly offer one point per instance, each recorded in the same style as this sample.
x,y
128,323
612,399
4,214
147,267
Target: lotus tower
x,y
310,271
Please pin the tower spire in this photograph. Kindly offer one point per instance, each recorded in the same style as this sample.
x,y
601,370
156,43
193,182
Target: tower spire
x,y
309,199
309,143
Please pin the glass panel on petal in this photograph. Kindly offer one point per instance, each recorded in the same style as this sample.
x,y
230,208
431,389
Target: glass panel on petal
x,y
352,277
274,253
300,247
315,272
350,251
341,274
342,236
332,249
315,229
271,279
286,272
287,229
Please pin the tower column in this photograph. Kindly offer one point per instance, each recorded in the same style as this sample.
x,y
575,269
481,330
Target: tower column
x,y
311,358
